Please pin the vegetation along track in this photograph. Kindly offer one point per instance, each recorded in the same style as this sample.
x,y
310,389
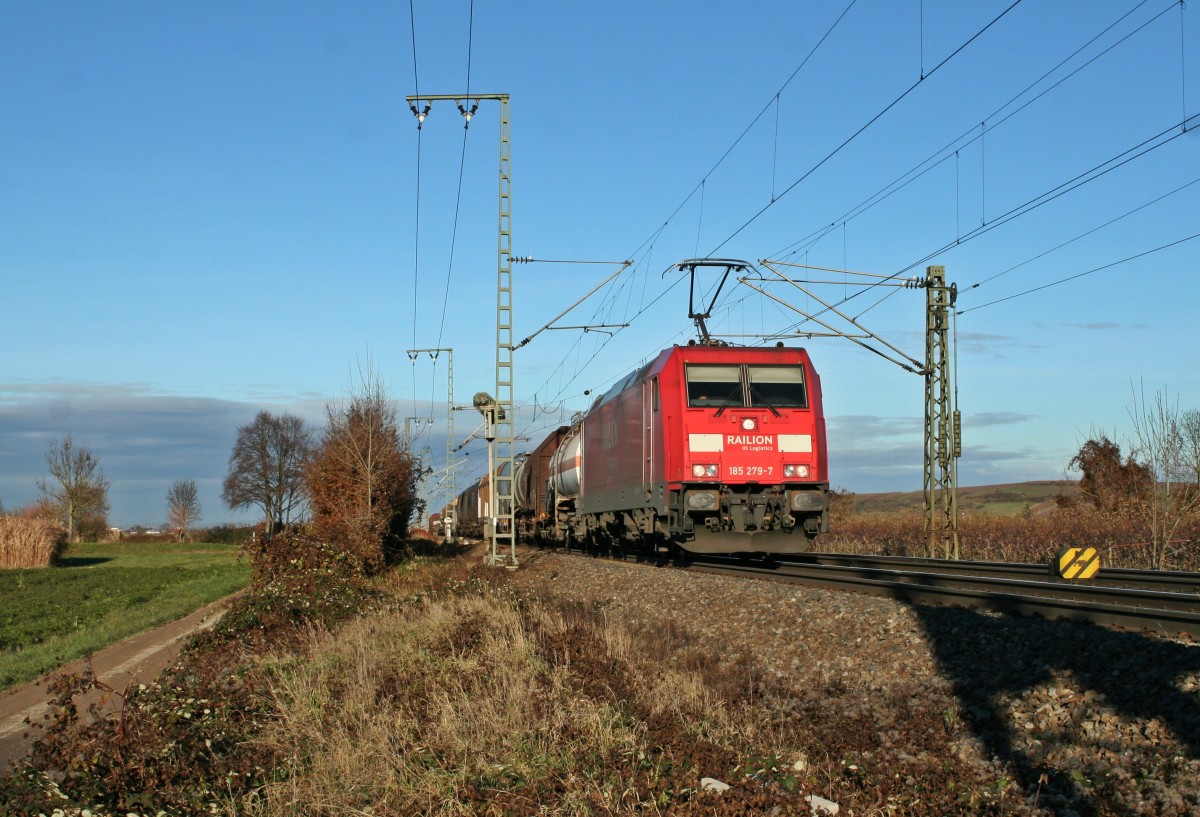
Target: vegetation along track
x,y
1166,603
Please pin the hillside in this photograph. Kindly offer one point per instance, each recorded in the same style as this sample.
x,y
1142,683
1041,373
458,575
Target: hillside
x,y
1002,500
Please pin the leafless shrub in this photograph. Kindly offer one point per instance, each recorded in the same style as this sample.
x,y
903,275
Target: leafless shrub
x,y
1162,439
360,477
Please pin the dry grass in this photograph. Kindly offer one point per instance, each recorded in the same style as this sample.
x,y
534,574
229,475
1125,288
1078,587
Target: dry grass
x,y
28,542
477,702
1120,540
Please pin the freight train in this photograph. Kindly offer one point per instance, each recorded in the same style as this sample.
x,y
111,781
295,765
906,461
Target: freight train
x,y
705,449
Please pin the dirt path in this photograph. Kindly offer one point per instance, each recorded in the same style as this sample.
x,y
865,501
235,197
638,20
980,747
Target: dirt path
x,y
133,661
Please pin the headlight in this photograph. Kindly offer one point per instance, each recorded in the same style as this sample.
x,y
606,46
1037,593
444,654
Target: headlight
x,y
749,424
707,470
795,471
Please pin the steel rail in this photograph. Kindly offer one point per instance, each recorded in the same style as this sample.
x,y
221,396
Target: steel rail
x,y
1164,613
1163,580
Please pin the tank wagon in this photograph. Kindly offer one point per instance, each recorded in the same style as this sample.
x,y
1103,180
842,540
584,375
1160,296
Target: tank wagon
x,y
474,508
533,515
707,448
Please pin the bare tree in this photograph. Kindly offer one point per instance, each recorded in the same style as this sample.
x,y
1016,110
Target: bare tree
x,y
183,506
1160,441
77,488
266,468
1189,429
361,477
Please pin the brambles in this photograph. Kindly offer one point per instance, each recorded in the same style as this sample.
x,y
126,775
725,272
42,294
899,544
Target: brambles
x,y
182,744
297,579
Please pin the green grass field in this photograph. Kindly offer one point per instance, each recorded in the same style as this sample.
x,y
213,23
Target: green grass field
x,y
101,594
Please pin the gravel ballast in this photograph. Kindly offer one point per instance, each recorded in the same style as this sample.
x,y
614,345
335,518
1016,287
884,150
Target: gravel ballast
x,y
1041,717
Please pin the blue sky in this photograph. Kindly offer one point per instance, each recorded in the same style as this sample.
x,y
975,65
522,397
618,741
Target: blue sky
x,y
208,209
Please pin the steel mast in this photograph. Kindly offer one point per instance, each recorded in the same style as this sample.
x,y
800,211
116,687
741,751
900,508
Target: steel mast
x,y
501,447
450,488
943,437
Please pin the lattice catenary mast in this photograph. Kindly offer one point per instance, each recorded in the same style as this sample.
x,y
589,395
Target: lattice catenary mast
x,y
452,504
943,440
501,448
943,437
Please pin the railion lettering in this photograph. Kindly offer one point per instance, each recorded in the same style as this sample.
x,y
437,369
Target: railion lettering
x,y
750,439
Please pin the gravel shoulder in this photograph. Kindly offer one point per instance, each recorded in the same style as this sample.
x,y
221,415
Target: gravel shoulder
x,y
1064,718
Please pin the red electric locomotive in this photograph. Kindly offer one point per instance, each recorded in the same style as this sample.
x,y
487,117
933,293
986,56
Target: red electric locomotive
x,y
709,448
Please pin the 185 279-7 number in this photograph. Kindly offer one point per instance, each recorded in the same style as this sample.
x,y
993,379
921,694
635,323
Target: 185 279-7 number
x,y
751,470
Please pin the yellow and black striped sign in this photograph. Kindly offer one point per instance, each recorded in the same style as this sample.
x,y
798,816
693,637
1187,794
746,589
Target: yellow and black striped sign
x,y
1077,563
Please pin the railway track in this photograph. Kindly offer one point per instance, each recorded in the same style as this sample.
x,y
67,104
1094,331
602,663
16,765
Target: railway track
x,y
1164,580
1165,603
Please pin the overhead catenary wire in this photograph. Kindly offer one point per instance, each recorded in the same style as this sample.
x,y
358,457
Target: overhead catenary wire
x,y
1091,271
865,288
758,214
462,160
657,232
862,129
968,137
644,273
417,205
1155,142
457,203
1182,64
1033,204
1081,236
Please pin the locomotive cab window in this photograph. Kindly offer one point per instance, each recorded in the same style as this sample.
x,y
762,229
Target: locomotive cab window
x,y
714,386
777,387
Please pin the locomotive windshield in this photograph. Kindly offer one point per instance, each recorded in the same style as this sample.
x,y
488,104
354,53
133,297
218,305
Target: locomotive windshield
x,y
714,386
777,387
711,386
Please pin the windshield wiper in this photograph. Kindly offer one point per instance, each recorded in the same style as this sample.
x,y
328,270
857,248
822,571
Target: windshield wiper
x,y
728,402
756,393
